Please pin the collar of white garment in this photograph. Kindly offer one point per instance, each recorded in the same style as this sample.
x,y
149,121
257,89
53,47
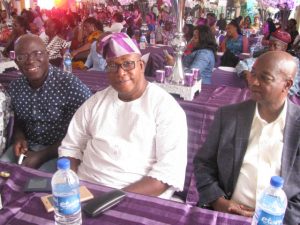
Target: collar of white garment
x,y
280,119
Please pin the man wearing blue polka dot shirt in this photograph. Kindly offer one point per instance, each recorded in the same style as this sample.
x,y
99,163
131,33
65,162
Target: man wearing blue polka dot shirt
x,y
44,100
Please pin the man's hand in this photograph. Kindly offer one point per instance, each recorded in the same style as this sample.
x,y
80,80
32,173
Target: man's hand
x,y
242,210
20,147
34,159
170,60
229,206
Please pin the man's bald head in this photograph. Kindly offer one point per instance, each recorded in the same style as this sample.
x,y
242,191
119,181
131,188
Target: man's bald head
x,y
271,78
28,38
281,62
32,59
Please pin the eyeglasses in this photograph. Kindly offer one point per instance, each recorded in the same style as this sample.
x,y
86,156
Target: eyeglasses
x,y
35,55
126,66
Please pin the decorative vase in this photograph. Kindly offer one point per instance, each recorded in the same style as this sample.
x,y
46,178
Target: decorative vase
x,y
178,43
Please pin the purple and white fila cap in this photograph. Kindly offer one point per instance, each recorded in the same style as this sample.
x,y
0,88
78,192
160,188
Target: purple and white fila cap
x,y
116,45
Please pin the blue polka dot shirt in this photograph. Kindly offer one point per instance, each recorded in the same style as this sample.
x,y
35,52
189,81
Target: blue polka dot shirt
x,y
45,113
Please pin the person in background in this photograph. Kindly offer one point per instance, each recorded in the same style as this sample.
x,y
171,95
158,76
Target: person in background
x,y
137,16
95,60
256,24
20,27
188,31
279,41
56,46
37,27
267,29
252,141
69,27
6,116
44,100
93,30
247,23
234,40
292,30
134,129
150,20
221,23
116,23
191,38
167,32
203,56
211,21
239,20
3,17
193,42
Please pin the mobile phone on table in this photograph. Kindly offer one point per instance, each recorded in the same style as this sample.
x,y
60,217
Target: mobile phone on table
x,y
38,184
48,201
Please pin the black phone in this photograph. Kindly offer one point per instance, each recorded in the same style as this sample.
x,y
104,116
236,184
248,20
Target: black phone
x,y
38,184
104,202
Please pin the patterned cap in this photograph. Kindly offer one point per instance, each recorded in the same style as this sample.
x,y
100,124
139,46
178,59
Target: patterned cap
x,y
282,36
116,45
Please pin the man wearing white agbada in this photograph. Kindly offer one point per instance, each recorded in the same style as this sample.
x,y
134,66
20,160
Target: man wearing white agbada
x,y
133,134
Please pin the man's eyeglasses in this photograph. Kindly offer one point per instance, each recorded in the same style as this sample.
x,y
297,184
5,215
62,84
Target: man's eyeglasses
x,y
35,55
126,66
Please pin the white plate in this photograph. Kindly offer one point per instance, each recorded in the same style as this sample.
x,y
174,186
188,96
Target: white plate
x,y
220,53
228,69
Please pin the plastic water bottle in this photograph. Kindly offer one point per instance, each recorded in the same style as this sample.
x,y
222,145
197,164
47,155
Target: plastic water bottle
x,y
67,60
252,50
143,42
66,197
152,38
271,205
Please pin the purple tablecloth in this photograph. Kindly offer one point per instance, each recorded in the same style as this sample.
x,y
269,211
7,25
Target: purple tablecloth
x,y
21,208
221,77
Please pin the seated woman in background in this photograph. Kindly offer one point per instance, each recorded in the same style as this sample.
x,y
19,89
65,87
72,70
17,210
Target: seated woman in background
x,y
203,55
55,45
20,27
247,24
267,29
234,40
92,29
95,60
190,38
256,24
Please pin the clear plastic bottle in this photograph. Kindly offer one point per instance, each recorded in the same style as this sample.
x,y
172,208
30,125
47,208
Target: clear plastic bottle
x,y
143,42
66,196
152,38
252,50
67,61
271,204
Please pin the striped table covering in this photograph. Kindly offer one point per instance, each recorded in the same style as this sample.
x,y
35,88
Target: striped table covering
x,y
21,208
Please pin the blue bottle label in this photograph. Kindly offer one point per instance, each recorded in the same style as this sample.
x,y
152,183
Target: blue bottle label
x,y
265,218
67,62
67,205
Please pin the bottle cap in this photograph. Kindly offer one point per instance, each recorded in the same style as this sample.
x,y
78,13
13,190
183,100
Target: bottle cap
x,y
277,181
63,163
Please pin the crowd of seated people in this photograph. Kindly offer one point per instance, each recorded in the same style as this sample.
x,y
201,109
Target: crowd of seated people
x,y
133,113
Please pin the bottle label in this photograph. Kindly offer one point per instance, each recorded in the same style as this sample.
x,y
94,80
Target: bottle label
x,y
142,45
67,62
67,205
152,41
265,218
